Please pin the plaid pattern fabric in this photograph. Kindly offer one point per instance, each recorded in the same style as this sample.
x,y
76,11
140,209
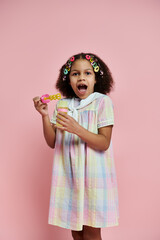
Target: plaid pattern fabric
x,y
84,185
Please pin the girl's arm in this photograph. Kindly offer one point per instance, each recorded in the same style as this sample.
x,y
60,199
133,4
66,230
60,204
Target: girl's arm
x,y
49,131
100,141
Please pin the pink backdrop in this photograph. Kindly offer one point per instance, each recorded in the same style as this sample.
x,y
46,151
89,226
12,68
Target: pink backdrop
x,y
36,39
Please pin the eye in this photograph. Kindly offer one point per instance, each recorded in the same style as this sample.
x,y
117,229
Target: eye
x,y
88,73
74,74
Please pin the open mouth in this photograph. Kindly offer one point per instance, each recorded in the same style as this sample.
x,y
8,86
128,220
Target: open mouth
x,y
82,87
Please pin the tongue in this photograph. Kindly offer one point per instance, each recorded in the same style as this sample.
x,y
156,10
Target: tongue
x,y
82,90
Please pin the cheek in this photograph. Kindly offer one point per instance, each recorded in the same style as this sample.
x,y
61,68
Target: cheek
x,y
94,81
72,84
72,81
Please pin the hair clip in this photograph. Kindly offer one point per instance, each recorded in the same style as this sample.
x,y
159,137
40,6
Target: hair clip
x,y
96,69
68,65
101,72
93,63
65,71
64,78
88,57
72,59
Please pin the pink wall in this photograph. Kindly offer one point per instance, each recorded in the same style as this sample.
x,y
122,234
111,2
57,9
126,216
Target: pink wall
x,y
36,39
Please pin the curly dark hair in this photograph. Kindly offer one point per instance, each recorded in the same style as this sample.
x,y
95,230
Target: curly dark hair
x,y
104,81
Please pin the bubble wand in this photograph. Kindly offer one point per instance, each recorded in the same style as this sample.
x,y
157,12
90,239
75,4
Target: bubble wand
x,y
46,98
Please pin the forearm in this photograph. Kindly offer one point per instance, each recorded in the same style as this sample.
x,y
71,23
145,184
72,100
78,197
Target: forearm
x,y
95,141
49,133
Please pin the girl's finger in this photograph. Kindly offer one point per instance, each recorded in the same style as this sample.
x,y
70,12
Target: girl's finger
x,y
64,115
36,102
40,104
58,121
61,117
60,128
35,99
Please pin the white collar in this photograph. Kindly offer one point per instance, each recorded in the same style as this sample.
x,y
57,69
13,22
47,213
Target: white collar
x,y
83,103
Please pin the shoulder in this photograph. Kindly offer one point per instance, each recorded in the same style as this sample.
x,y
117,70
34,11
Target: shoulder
x,y
104,100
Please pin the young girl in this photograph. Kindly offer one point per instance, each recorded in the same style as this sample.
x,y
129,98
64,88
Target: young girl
x,y
84,196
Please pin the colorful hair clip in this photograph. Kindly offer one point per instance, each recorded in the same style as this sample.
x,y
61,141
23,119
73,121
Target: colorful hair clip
x,y
68,65
64,78
91,59
65,71
68,69
96,69
93,63
101,72
72,59
88,57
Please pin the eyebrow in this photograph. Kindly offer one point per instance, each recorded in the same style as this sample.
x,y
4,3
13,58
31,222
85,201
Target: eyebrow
x,y
84,69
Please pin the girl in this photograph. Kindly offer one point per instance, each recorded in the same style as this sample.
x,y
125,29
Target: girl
x,y
84,196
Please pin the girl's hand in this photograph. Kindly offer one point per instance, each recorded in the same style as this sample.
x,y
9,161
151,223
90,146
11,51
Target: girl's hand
x,y
42,108
69,123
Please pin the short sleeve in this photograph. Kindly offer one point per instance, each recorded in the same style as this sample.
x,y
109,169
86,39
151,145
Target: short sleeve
x,y
105,112
53,118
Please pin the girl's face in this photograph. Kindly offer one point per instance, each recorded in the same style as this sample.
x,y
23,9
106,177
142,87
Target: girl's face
x,y
82,78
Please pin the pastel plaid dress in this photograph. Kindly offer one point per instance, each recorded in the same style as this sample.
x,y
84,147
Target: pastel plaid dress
x,y
84,185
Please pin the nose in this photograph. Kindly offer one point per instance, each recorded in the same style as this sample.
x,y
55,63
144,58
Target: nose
x,y
81,77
